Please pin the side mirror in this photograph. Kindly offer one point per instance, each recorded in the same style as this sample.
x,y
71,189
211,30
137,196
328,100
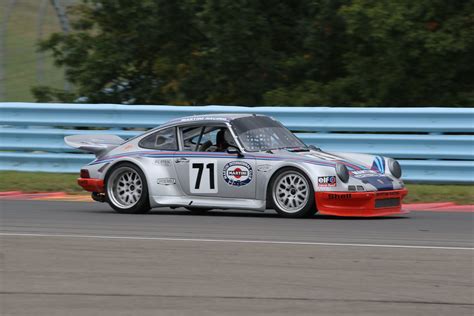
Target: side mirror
x,y
235,151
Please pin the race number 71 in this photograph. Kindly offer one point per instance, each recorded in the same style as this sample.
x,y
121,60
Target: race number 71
x,y
203,176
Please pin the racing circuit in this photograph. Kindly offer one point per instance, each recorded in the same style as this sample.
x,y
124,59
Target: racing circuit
x,y
231,262
78,258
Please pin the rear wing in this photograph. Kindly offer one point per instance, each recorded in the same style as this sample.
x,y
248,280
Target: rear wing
x,y
96,144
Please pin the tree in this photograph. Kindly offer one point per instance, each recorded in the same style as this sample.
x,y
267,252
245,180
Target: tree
x,y
410,52
257,52
389,53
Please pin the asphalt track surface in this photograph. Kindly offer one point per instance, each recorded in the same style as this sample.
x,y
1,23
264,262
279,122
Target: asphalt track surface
x,y
73,258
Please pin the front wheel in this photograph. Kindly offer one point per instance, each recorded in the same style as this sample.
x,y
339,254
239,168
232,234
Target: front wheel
x,y
127,190
292,194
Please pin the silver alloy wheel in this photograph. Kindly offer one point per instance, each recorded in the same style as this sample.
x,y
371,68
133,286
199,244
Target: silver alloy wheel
x,y
124,187
291,192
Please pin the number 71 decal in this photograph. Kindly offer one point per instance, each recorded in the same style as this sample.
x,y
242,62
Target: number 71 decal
x,y
203,176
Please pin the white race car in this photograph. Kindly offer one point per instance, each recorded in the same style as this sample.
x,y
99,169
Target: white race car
x,y
236,161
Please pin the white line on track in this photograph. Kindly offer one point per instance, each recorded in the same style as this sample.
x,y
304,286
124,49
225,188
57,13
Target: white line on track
x,y
242,241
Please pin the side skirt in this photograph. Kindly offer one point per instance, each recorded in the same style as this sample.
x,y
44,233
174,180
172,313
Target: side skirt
x,y
211,202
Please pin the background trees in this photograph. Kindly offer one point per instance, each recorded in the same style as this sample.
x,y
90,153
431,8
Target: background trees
x,y
268,52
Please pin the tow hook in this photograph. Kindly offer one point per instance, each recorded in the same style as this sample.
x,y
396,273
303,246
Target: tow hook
x,y
99,197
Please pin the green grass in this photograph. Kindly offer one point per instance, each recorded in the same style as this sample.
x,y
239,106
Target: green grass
x,y
38,182
22,68
427,193
50,182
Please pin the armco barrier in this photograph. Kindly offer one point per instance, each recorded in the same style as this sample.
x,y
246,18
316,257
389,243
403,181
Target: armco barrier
x,y
434,145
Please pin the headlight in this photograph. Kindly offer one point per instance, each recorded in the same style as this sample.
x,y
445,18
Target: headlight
x,y
342,172
394,168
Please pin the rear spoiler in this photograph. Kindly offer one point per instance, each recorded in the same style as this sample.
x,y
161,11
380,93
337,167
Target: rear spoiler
x,y
96,144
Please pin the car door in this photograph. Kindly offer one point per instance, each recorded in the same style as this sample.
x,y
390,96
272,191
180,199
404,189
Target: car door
x,y
204,170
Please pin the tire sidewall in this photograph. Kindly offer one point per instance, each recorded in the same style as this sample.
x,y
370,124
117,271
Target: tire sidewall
x,y
143,204
308,210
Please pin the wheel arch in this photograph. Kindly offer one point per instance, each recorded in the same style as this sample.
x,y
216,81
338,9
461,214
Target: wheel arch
x,y
142,204
132,161
269,201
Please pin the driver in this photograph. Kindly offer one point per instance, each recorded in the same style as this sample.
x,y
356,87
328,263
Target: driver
x,y
221,142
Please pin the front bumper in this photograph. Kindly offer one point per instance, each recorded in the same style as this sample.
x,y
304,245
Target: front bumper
x,y
361,204
91,185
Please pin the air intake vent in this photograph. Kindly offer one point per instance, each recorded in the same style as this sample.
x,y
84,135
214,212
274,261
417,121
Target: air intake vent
x,y
387,203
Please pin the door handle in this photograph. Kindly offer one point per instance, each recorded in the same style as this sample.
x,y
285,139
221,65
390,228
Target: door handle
x,y
181,159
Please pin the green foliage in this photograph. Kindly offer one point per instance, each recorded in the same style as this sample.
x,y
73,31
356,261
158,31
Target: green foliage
x,y
311,52
411,52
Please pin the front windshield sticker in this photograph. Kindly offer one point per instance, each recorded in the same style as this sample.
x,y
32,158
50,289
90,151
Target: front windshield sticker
x,y
205,118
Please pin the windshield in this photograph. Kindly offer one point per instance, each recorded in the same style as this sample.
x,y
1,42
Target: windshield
x,y
260,133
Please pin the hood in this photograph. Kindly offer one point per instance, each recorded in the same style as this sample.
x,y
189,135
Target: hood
x,y
326,158
366,169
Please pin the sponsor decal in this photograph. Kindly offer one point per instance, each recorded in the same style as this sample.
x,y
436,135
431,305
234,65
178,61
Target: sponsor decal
x,y
163,162
237,173
359,174
166,181
329,181
340,196
264,168
387,194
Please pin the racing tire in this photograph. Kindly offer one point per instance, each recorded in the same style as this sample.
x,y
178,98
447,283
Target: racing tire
x,y
291,194
198,210
126,189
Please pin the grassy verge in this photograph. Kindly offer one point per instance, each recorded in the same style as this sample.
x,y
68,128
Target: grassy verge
x,y
49,182
38,182
427,193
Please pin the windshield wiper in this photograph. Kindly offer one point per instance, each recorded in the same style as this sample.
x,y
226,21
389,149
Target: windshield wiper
x,y
295,148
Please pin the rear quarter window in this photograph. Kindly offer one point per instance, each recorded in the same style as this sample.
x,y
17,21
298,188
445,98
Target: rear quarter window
x,y
161,140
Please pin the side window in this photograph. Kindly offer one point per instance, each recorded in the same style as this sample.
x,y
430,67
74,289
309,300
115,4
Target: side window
x,y
161,140
206,138
191,136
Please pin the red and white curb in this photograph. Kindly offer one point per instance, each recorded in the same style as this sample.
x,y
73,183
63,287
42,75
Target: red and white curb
x,y
439,207
48,196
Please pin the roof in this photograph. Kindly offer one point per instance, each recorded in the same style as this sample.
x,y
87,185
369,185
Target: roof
x,y
224,117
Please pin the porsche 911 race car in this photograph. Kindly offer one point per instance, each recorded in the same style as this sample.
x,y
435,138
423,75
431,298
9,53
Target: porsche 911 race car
x,y
235,161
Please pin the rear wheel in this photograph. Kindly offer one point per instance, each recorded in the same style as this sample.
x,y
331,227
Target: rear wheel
x,y
126,189
292,194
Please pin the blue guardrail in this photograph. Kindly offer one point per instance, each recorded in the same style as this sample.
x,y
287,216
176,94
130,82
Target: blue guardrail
x,y
433,145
